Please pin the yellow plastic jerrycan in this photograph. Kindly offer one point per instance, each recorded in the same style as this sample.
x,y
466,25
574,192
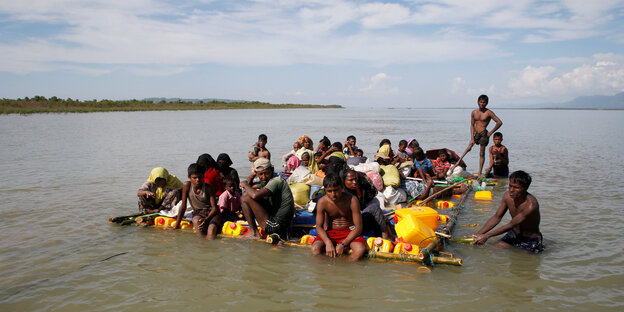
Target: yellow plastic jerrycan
x,y
233,229
184,224
164,221
412,230
425,214
444,204
379,244
407,248
307,239
443,219
483,195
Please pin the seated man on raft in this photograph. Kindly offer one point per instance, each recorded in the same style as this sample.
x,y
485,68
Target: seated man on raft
x,y
272,205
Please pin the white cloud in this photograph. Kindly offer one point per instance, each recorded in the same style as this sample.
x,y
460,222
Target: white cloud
x,y
379,84
605,75
457,84
382,15
478,91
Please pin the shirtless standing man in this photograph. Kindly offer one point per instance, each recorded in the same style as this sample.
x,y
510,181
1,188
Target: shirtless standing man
x,y
523,229
479,120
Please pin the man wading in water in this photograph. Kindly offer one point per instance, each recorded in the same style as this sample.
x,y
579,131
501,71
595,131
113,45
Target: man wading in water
x,y
523,229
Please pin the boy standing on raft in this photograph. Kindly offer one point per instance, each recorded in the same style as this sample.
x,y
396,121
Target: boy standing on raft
x,y
479,120
272,205
523,229
344,221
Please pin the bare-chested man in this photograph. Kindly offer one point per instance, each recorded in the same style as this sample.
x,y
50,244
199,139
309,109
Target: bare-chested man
x,y
340,212
523,229
479,120
259,149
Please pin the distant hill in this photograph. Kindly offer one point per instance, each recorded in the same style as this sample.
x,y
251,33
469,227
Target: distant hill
x,y
592,102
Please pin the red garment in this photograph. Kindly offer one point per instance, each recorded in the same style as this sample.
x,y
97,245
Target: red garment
x,y
213,177
338,235
439,166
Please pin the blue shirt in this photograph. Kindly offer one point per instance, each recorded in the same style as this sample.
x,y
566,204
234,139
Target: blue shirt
x,y
424,164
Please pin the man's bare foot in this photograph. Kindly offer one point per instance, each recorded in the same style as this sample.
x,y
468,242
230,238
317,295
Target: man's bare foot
x,y
250,235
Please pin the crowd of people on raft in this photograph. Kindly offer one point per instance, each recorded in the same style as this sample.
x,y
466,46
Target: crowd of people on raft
x,y
215,193
356,190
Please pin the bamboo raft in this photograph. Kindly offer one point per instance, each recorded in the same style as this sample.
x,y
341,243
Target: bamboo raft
x,y
428,255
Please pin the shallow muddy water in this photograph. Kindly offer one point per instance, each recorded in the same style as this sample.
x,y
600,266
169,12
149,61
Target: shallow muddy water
x,y
65,174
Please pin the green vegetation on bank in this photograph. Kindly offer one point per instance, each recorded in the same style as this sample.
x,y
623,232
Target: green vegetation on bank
x,y
40,104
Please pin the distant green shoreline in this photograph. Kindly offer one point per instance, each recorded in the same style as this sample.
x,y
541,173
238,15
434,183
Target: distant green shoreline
x,y
40,104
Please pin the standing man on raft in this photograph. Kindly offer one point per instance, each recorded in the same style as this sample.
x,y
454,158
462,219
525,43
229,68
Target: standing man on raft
x,y
479,120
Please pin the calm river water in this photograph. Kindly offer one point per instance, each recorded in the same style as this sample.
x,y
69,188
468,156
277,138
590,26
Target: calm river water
x,y
63,175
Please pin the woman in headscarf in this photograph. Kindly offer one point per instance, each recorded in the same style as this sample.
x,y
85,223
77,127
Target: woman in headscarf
x,y
161,191
224,163
358,185
309,159
412,144
212,175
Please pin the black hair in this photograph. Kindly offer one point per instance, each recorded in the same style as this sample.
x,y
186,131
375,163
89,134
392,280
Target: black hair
x,y
358,150
445,152
521,177
262,137
384,141
335,164
497,135
337,145
418,153
196,169
332,179
350,137
403,142
483,97
325,140
414,143
206,161
228,179
319,154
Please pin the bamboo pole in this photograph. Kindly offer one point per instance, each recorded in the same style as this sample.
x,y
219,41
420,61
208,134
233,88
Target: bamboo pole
x,y
425,253
466,240
432,196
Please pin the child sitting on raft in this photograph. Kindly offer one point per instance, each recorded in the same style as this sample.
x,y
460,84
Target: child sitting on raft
x,y
422,164
206,214
441,165
412,144
161,191
341,212
287,156
230,201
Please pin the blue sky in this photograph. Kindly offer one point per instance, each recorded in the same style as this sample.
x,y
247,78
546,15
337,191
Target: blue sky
x,y
352,53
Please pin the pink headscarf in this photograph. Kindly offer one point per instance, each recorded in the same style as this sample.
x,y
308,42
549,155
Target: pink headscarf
x,y
293,163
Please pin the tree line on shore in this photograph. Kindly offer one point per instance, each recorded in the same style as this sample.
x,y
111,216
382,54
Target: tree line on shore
x,y
41,104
